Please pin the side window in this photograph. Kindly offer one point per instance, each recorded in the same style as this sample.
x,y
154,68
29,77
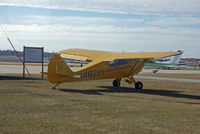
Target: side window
x,y
112,63
121,62
131,61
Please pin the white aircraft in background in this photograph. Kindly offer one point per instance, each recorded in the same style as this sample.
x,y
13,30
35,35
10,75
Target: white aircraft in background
x,y
171,62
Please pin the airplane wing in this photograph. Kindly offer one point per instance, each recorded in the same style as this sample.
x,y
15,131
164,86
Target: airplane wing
x,y
141,55
82,54
90,55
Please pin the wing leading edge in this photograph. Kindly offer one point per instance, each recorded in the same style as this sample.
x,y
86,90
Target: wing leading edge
x,y
91,55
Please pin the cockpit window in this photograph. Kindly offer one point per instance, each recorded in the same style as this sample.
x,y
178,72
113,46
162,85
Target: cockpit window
x,y
121,62
131,61
112,63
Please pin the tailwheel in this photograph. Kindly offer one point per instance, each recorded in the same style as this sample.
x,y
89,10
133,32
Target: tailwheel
x,y
138,85
116,83
54,88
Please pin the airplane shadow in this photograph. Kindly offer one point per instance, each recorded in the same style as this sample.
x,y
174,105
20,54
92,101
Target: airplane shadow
x,y
16,78
109,89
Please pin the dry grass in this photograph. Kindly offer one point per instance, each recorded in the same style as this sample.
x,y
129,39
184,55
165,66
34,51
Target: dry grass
x,y
30,106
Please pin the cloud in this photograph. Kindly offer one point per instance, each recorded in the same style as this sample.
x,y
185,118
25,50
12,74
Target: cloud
x,y
106,33
101,29
164,25
160,7
175,21
105,37
79,20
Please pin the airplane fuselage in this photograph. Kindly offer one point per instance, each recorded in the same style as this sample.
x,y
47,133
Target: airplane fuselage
x,y
111,69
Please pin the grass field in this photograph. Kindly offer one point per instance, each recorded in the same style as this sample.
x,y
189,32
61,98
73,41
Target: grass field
x,y
95,107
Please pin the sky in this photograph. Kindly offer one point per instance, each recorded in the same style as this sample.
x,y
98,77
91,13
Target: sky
x,y
110,25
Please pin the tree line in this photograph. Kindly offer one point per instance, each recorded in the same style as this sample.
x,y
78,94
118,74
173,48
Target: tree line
x,y
12,53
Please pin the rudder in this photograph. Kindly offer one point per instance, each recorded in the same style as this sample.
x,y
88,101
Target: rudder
x,y
58,68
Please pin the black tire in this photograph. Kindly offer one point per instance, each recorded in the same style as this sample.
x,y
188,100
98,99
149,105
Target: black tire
x,y
138,85
116,83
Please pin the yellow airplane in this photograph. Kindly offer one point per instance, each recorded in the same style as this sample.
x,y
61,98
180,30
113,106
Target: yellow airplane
x,y
102,65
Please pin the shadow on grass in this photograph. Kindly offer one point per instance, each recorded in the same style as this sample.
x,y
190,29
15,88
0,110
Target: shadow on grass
x,y
16,78
109,89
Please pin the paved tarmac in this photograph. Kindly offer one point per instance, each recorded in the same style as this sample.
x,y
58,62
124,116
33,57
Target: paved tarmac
x,y
173,71
17,69
169,79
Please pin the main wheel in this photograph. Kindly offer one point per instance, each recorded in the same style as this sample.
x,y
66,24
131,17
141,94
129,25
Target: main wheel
x,y
116,83
138,85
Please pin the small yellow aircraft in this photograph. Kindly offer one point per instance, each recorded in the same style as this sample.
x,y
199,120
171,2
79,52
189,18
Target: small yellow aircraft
x,y
101,65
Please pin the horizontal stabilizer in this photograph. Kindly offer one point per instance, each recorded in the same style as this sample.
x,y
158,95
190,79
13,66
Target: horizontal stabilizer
x,y
44,73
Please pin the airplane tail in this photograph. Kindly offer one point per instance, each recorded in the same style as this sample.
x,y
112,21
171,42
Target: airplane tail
x,y
58,70
175,59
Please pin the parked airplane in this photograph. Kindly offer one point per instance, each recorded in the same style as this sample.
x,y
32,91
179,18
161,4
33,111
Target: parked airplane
x,y
102,65
170,62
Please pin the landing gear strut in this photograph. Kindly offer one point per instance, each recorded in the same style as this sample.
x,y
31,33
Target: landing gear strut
x,y
116,82
138,84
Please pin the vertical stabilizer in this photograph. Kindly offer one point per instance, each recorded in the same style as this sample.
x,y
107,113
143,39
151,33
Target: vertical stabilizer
x,y
174,59
57,68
